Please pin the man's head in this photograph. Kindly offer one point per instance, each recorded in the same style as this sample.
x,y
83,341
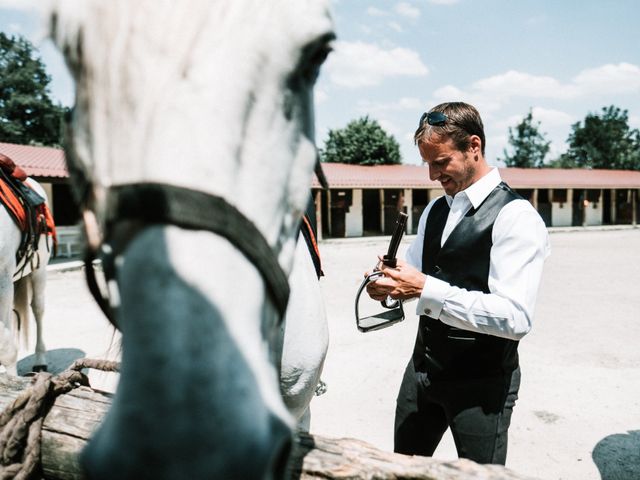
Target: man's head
x,y
451,141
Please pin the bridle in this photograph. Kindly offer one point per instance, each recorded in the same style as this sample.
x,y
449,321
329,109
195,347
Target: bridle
x,y
133,207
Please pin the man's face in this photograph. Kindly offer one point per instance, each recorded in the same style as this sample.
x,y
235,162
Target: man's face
x,y
455,170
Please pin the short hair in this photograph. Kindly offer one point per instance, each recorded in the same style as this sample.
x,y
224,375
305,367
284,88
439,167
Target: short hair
x,y
462,121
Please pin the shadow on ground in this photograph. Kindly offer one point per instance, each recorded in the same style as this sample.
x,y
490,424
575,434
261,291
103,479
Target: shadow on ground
x,y
618,456
58,360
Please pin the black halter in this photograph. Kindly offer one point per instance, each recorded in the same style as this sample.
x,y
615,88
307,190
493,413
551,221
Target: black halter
x,y
132,207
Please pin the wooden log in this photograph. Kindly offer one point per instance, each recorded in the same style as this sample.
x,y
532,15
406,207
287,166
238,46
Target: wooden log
x,y
77,414
67,427
316,457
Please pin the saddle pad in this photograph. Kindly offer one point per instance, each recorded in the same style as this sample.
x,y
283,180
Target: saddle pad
x,y
16,209
13,204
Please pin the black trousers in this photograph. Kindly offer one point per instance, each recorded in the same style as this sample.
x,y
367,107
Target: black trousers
x,y
478,411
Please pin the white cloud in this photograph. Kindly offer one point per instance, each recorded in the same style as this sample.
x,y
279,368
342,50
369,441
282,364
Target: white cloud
x,y
359,64
551,118
491,93
513,83
447,93
620,78
388,126
376,12
407,10
548,118
450,93
396,26
403,104
320,96
443,2
19,4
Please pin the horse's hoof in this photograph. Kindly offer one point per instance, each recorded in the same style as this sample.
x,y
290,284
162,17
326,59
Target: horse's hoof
x,y
39,368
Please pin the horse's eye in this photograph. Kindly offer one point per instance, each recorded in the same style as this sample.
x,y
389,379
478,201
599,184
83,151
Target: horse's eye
x,y
315,62
312,57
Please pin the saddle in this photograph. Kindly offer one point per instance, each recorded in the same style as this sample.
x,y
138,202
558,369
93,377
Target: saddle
x,y
27,209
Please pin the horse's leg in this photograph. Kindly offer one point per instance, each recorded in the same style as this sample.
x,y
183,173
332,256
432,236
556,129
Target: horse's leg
x,y
306,338
38,283
8,349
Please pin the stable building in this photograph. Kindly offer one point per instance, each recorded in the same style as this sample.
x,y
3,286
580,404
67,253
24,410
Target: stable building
x,y
48,167
365,200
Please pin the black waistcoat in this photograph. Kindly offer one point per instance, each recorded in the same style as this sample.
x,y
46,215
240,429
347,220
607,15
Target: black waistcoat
x,y
446,352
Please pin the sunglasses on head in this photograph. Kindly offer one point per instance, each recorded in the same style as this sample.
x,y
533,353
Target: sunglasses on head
x,y
435,119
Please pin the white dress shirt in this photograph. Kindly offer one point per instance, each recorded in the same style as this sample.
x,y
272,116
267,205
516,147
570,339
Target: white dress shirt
x,y
520,247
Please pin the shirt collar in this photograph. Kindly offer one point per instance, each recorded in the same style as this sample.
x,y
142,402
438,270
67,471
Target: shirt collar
x,y
478,191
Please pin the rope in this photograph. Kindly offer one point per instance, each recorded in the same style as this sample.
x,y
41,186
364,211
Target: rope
x,y
21,421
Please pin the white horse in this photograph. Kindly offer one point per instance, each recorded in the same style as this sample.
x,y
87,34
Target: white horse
x,y
21,285
214,97
304,338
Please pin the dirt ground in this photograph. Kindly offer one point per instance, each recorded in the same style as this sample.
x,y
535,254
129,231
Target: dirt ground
x,y
578,415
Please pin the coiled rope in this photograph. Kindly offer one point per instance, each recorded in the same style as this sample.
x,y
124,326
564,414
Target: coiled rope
x,y
21,421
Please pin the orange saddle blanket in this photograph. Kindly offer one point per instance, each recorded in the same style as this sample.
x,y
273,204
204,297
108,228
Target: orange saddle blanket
x,y
32,221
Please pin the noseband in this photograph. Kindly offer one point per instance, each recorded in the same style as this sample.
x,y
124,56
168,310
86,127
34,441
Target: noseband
x,y
133,207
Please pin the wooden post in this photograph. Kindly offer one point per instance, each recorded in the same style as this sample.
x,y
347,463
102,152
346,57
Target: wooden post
x,y
75,416
330,233
381,201
584,208
408,202
318,205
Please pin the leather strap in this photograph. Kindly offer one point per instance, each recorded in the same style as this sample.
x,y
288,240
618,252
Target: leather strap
x,y
155,204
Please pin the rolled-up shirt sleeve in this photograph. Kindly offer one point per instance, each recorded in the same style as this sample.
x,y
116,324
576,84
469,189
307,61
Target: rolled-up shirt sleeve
x,y
520,247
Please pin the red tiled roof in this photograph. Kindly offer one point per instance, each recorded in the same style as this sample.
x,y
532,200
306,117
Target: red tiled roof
x,y
341,175
37,161
50,162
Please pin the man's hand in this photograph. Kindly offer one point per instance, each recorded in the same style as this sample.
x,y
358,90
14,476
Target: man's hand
x,y
400,283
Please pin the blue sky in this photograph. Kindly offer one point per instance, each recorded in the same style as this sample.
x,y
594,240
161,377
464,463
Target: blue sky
x,y
394,59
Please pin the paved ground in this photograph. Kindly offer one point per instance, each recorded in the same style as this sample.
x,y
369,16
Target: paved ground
x,y
578,416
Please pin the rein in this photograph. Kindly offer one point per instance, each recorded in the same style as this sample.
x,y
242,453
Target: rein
x,y
133,207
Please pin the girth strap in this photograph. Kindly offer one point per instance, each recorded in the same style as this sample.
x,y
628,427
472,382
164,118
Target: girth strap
x,y
154,203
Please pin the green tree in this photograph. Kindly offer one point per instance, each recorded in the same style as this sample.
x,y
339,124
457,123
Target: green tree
x,y
530,147
361,142
27,113
603,141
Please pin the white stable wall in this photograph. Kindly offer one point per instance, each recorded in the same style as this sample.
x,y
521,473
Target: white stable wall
x,y
561,214
353,220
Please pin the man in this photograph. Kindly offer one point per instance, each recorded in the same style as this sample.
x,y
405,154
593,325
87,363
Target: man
x,y
475,267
